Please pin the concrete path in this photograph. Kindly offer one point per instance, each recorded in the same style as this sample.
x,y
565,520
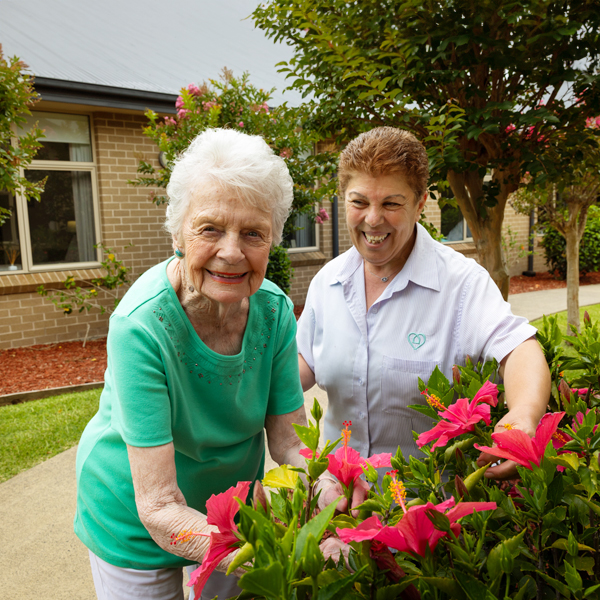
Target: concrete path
x,y
532,305
40,556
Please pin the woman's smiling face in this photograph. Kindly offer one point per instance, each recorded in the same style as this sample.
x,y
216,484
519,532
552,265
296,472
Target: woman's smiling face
x,y
226,243
381,213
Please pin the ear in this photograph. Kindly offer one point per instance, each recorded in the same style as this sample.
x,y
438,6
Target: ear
x,y
175,244
421,206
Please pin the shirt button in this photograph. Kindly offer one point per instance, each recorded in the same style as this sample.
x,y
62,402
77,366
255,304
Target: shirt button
x,y
361,415
374,310
360,381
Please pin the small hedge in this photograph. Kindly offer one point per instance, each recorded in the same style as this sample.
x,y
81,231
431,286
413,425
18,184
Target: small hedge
x,y
279,269
555,247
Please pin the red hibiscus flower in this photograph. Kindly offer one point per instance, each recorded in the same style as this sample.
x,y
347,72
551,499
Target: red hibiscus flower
x,y
460,417
220,511
516,445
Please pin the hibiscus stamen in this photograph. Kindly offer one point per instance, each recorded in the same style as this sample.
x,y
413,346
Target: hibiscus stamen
x,y
435,402
398,492
507,426
559,437
346,432
185,536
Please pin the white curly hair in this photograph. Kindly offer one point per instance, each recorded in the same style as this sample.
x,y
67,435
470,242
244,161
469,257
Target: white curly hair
x,y
237,161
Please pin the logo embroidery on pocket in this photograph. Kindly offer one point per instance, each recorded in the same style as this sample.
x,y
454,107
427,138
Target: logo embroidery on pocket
x,y
416,340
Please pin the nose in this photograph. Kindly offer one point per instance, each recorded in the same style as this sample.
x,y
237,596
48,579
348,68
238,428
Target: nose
x,y
230,249
374,216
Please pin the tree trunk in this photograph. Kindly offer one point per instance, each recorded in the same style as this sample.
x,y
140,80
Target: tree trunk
x,y
489,250
572,239
487,232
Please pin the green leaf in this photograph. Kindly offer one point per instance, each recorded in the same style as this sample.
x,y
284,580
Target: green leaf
x,y
448,586
337,588
245,554
562,544
495,562
557,585
527,589
573,578
474,589
316,527
570,460
308,436
264,581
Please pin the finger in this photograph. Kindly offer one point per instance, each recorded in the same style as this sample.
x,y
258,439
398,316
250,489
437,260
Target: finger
x,y
505,470
359,494
485,458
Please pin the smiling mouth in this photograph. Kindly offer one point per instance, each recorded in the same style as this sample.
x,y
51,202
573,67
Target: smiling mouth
x,y
375,239
227,277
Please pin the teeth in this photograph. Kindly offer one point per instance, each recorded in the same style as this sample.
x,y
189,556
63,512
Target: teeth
x,y
375,239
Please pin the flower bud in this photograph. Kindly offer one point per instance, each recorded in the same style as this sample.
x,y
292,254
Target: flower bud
x,y
456,375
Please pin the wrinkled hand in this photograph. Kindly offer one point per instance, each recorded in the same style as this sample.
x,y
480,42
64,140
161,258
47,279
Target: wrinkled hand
x,y
332,489
331,548
507,470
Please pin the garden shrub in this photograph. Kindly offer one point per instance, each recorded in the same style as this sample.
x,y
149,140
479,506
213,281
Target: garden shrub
x,y
279,269
555,247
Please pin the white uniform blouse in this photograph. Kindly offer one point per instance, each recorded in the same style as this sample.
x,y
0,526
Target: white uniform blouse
x,y
440,308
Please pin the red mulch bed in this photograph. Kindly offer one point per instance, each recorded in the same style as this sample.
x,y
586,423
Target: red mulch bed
x,y
68,363
51,365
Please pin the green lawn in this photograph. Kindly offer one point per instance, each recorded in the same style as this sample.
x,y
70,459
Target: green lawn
x,y
37,430
593,310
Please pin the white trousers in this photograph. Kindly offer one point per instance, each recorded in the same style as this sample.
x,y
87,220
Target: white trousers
x,y
118,583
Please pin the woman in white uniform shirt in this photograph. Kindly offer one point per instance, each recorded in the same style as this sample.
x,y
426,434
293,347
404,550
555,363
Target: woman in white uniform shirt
x,y
398,303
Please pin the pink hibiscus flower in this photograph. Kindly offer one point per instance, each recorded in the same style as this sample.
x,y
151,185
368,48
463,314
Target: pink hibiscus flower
x,y
347,464
516,445
460,417
414,532
220,510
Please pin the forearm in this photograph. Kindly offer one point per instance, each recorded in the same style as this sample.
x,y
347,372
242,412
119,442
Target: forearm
x,y
284,444
162,507
307,377
527,381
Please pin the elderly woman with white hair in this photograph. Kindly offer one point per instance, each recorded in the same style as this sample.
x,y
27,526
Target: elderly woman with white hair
x,y
202,359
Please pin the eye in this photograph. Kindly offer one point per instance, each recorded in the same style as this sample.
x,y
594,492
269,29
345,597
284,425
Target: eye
x,y
254,234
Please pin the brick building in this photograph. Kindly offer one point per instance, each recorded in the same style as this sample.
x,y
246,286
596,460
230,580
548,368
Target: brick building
x,y
95,89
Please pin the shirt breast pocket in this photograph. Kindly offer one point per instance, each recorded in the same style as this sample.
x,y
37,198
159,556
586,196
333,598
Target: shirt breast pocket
x,y
400,389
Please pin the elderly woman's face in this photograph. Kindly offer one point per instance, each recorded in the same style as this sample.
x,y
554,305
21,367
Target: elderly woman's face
x,y
226,245
381,213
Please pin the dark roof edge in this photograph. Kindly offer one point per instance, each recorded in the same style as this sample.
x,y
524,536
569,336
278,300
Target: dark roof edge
x,y
75,92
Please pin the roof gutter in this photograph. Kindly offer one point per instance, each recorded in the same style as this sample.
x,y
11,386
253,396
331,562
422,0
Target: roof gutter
x,y
74,92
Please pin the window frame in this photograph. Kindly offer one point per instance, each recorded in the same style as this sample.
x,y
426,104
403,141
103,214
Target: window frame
x,y
21,205
315,248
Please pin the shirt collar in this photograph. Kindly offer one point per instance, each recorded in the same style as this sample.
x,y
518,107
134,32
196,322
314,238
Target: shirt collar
x,y
420,268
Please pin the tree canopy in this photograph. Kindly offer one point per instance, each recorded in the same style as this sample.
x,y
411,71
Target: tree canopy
x,y
16,98
485,85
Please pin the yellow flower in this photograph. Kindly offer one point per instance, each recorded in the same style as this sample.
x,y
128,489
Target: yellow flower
x,y
281,477
111,257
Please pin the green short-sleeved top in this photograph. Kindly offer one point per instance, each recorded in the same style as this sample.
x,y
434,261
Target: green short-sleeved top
x,y
163,384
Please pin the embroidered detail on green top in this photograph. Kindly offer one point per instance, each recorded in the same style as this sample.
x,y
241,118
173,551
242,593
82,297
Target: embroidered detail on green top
x,y
210,376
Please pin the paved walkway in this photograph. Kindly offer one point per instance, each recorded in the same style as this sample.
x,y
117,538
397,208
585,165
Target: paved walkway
x,y
39,553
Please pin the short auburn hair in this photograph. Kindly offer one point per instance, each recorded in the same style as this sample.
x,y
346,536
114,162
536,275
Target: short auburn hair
x,y
385,151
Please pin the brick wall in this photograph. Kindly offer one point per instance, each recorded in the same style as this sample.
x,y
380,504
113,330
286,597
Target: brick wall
x,y
126,216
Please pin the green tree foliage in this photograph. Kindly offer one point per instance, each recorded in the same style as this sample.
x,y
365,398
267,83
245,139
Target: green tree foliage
x,y
17,96
237,104
564,201
486,85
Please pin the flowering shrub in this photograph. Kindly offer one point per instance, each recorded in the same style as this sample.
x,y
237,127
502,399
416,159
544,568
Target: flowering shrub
x,y
434,527
235,103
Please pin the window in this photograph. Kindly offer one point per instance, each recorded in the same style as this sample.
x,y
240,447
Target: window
x,y
454,225
61,230
304,238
